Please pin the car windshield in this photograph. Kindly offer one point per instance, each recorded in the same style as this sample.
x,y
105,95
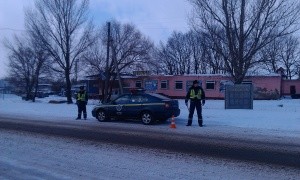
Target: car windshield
x,y
122,99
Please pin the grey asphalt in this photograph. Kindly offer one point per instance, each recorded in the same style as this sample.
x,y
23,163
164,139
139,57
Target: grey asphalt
x,y
275,153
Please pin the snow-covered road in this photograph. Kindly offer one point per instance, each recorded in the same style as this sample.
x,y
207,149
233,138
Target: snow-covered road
x,y
277,151
32,156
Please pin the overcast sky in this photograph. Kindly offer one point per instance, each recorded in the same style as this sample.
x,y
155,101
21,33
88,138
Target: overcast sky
x,y
156,19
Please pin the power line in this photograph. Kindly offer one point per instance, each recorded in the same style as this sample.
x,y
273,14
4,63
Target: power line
x,y
11,29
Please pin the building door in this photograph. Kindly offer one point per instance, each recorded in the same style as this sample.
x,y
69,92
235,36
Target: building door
x,y
292,90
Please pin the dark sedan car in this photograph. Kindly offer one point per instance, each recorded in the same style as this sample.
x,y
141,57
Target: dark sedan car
x,y
147,107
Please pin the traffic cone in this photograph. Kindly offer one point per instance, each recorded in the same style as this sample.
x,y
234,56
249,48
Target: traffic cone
x,y
173,125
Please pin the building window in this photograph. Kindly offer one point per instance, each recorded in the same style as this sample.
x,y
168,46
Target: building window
x,y
210,84
138,84
164,85
178,85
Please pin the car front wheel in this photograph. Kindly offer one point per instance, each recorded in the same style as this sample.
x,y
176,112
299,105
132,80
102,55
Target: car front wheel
x,y
101,115
147,118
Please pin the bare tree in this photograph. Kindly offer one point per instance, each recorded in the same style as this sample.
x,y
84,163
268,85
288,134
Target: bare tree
x,y
211,60
168,64
197,55
153,65
204,59
289,56
282,52
129,46
298,70
179,49
27,62
248,26
270,56
129,51
94,58
188,53
65,30
176,54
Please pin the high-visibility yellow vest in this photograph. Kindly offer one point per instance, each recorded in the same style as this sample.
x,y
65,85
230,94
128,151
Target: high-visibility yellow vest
x,y
81,96
193,95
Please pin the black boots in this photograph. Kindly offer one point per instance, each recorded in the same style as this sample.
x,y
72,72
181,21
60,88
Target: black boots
x,y
200,122
79,117
189,122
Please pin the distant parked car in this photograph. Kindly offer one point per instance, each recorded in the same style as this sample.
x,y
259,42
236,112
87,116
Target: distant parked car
x,y
147,107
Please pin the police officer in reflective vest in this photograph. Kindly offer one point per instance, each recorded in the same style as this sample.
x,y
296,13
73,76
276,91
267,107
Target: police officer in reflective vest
x,y
196,96
81,101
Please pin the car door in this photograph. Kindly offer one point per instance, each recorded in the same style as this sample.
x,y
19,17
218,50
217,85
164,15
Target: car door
x,y
118,108
133,108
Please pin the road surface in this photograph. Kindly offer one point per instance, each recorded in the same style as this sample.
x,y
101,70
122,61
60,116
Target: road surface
x,y
281,153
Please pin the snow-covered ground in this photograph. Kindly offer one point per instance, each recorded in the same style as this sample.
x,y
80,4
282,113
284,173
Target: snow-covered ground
x,y
34,156
268,117
31,156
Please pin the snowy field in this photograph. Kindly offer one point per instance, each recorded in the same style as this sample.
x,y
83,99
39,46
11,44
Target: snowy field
x,y
31,156
268,117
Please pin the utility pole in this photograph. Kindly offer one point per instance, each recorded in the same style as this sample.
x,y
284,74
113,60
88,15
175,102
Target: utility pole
x,y
107,62
117,70
76,70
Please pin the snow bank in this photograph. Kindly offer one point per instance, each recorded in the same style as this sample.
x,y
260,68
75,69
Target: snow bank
x,y
271,117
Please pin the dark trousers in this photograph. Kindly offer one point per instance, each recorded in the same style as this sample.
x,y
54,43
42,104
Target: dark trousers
x,y
195,104
81,108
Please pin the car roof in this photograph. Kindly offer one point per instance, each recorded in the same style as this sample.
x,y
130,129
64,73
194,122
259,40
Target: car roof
x,y
159,96
151,94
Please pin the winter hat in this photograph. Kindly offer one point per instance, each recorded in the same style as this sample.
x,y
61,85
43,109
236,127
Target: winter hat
x,y
195,82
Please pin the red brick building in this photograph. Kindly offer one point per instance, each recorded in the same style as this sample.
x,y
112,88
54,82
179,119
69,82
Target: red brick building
x,y
265,87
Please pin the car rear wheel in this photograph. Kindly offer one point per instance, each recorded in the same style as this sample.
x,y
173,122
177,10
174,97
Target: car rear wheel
x,y
147,118
102,115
